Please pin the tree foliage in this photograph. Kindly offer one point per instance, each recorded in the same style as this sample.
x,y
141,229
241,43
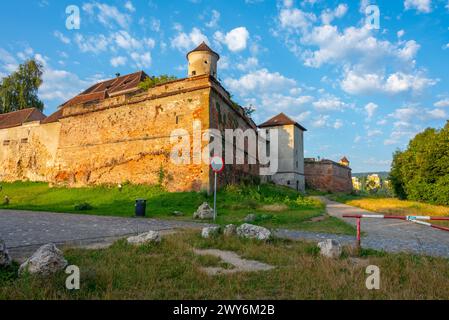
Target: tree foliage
x,y
421,172
153,81
19,90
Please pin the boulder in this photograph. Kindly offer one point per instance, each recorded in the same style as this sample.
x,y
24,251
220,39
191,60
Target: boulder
x,y
330,248
250,218
45,261
230,230
204,212
253,232
209,232
5,259
144,238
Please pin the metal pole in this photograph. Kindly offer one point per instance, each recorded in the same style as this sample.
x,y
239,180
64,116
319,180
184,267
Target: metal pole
x,y
358,232
215,197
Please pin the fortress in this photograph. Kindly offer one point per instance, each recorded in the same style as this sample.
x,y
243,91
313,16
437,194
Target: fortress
x,y
116,132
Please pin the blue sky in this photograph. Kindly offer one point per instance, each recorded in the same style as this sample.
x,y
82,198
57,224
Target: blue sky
x,y
360,92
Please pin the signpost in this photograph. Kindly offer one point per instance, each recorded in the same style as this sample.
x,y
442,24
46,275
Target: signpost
x,y
217,166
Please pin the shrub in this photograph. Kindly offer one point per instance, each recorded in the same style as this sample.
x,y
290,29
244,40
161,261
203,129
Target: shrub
x,y
83,207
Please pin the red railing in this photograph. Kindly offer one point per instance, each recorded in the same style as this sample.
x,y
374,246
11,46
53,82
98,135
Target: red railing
x,y
414,219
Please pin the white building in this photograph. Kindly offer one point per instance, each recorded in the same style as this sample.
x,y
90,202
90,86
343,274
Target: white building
x,y
291,151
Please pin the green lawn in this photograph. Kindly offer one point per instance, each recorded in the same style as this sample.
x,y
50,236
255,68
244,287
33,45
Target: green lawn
x,y
170,270
274,206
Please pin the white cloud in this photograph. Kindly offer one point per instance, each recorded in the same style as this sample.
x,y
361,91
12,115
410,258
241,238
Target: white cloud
x,y
293,18
329,103
61,37
328,15
320,121
338,124
125,41
303,116
142,60
437,114
400,33
129,6
370,109
362,83
261,81
374,132
213,23
442,103
248,64
107,15
118,61
93,44
424,6
188,41
235,40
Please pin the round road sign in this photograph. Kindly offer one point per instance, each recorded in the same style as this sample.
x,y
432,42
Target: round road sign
x,y
217,164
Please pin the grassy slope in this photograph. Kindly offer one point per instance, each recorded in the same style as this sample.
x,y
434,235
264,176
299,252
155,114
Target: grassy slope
x,y
170,270
234,204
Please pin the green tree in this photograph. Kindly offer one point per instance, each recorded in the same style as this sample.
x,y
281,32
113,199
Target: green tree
x,y
19,90
421,172
153,81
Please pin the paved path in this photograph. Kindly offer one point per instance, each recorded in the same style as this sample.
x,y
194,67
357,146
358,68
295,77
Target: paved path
x,y
24,231
382,234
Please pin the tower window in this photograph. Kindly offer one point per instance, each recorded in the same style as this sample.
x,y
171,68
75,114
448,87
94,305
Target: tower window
x,y
6,142
205,62
193,73
24,140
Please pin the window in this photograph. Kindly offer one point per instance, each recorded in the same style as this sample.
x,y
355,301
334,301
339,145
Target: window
x,y
288,182
178,119
205,62
24,140
296,164
6,142
193,73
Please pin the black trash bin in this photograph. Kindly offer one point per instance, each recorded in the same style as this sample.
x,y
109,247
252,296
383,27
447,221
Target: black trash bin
x,y
141,206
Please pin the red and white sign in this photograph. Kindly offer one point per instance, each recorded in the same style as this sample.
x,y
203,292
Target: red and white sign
x,y
217,164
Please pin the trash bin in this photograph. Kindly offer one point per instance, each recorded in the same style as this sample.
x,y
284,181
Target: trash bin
x,y
141,206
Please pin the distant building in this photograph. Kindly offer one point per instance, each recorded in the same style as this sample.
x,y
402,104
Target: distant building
x,y
344,161
291,151
356,183
327,175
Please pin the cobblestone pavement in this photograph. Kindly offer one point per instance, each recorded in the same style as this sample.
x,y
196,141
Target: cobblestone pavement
x,y
24,231
382,234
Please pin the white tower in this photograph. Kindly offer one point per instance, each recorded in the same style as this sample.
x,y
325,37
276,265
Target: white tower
x,y
203,60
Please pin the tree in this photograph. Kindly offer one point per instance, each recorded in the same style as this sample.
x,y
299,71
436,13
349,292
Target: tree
x,y
153,81
421,172
19,90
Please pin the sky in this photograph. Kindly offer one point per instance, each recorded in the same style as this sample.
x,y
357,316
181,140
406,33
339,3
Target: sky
x,y
362,89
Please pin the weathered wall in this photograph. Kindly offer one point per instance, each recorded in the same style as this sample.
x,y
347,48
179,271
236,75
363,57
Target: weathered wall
x,y
328,176
225,116
290,171
127,138
28,152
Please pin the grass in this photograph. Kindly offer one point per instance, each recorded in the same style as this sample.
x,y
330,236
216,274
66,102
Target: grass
x,y
171,270
393,206
274,206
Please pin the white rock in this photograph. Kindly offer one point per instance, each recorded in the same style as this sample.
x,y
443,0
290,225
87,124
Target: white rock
x,y
250,231
330,248
230,230
148,237
250,218
5,259
204,212
46,260
209,232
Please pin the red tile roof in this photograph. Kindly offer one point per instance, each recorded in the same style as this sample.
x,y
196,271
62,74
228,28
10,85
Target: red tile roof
x,y
101,91
281,120
17,118
204,47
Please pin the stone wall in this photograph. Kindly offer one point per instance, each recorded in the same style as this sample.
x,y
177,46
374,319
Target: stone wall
x,y
125,138
327,175
28,152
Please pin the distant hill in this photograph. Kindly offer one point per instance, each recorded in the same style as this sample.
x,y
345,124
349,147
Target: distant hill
x,y
382,174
